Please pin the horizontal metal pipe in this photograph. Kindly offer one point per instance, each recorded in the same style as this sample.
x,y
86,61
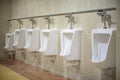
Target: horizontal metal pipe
x,y
61,14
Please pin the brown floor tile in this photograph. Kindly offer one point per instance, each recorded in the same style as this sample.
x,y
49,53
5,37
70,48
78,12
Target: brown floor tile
x,y
30,72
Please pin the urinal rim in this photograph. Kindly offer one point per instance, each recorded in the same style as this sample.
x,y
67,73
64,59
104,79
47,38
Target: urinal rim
x,y
70,30
48,30
17,30
23,29
8,34
32,30
103,31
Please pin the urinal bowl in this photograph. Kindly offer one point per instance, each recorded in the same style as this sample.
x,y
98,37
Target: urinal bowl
x,y
104,47
32,40
49,41
28,38
9,42
16,37
7,39
11,48
44,39
21,41
71,44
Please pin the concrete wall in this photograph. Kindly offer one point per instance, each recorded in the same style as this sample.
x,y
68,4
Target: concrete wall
x,y
5,14
118,41
88,21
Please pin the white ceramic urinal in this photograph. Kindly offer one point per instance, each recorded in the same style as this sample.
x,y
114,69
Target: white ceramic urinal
x,y
16,37
21,39
7,39
49,41
104,47
9,42
71,44
32,40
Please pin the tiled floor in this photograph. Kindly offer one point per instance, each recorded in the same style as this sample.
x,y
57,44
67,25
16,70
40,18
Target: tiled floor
x,y
30,72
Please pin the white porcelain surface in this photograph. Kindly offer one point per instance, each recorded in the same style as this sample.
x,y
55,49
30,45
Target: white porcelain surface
x,y
16,37
104,47
9,40
21,39
71,44
32,39
49,41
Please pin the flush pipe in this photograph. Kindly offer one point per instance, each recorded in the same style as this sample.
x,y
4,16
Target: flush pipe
x,y
20,23
9,25
48,21
33,22
71,20
103,15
